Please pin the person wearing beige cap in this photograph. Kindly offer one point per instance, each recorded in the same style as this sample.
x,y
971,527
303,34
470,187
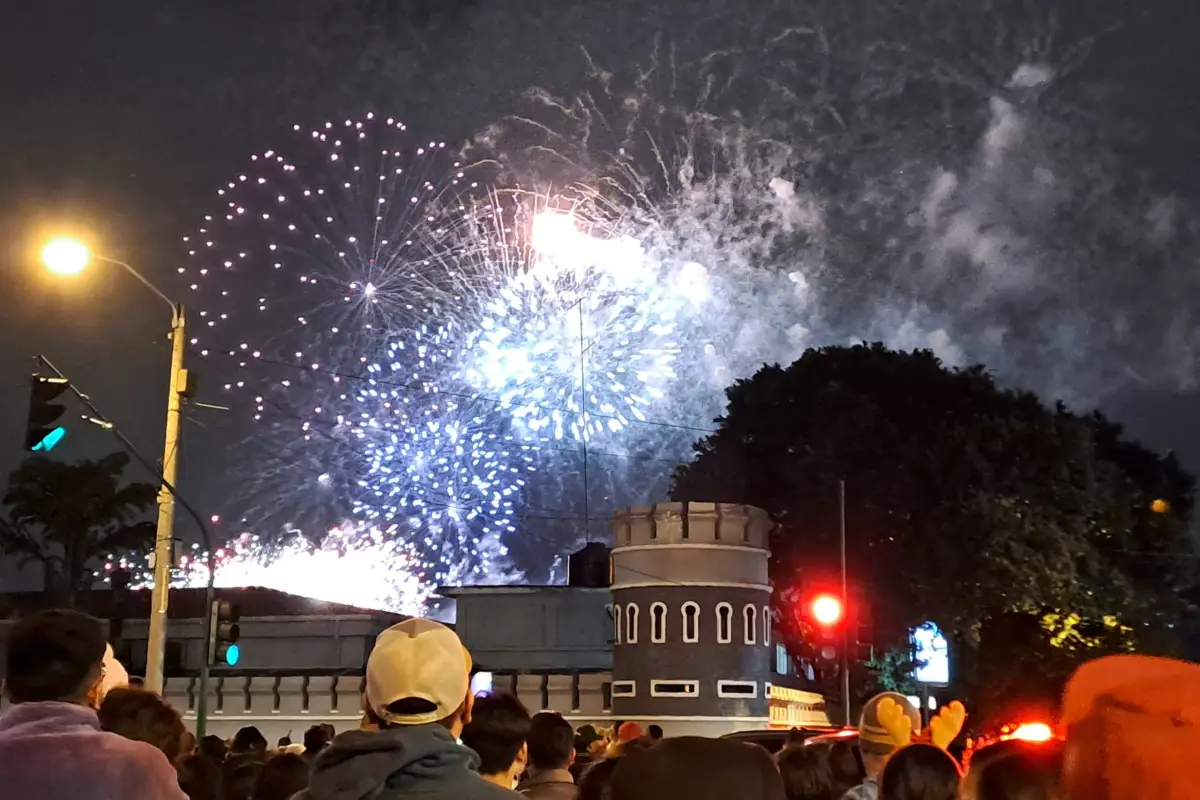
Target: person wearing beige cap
x,y
417,701
875,743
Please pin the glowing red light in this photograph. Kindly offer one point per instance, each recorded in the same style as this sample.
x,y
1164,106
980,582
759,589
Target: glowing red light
x,y
1032,732
826,609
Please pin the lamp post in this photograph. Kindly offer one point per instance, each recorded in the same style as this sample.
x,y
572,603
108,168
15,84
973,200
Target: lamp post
x,y
70,257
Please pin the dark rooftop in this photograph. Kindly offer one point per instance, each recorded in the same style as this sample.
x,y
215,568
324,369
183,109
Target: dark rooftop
x,y
187,604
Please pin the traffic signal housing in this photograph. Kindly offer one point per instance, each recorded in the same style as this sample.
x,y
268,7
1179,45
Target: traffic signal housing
x,y
41,434
223,634
826,616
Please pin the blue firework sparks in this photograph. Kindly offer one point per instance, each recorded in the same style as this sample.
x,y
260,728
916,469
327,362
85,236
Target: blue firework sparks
x,y
579,341
439,468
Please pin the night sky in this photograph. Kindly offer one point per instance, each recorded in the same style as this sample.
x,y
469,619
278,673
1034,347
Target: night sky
x,y
118,119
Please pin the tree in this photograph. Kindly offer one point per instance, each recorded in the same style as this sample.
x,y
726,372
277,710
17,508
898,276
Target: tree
x,y
967,504
68,517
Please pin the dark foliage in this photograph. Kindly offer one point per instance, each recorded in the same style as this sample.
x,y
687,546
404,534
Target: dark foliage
x,y
68,517
972,506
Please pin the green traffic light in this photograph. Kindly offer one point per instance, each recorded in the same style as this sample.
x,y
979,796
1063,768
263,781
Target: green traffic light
x,y
49,440
232,654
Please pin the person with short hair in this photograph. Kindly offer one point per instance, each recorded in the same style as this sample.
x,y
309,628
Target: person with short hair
x,y
1015,770
551,755
655,732
316,739
806,774
144,717
497,732
282,777
920,772
51,742
696,768
844,766
200,778
213,748
417,701
249,741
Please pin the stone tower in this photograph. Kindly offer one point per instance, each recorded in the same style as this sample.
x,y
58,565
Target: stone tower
x,y
692,639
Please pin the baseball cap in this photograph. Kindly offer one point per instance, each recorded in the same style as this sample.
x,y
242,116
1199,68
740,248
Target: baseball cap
x,y
418,659
873,738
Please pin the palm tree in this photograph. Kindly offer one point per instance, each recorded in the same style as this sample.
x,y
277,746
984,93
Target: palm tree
x,y
68,517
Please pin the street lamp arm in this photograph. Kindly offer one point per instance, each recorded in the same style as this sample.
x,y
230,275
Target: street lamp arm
x,y
140,277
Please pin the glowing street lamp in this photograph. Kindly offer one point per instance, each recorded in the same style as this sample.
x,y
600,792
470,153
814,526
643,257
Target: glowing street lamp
x,y
65,256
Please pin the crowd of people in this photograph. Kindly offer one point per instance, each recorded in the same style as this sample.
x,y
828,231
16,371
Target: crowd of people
x,y
76,730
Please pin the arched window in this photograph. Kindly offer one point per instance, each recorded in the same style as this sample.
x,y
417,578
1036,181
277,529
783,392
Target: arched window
x,y
631,624
724,623
750,623
617,624
691,622
767,626
658,623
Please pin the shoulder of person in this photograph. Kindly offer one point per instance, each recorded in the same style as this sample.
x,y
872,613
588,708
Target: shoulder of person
x,y
486,790
152,774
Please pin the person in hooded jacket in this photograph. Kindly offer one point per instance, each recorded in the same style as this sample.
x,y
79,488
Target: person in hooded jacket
x,y
51,743
417,701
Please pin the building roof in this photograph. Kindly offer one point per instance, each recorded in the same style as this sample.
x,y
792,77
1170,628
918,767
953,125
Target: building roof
x,y
186,604
458,591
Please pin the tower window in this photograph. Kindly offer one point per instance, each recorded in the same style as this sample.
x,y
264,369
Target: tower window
x,y
750,623
691,622
737,689
767,626
658,623
624,689
617,624
631,624
724,623
674,688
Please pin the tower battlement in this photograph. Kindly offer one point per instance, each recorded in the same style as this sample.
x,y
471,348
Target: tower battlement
x,y
691,523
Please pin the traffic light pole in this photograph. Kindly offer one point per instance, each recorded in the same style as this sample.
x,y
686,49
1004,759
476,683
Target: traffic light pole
x,y
164,536
205,664
845,605
209,591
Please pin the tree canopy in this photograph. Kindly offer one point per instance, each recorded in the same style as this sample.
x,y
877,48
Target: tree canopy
x,y
966,503
67,517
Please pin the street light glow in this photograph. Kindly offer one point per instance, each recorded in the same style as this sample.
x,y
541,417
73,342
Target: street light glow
x,y
65,256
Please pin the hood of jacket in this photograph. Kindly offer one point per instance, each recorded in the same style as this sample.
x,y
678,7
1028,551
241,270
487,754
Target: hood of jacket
x,y
403,760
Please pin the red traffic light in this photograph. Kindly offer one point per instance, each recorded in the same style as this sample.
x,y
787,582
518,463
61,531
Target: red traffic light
x,y
826,609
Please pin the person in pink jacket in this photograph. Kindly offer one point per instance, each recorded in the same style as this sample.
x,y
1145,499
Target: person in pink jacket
x,y
51,744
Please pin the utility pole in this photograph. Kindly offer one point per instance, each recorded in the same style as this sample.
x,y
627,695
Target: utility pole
x,y
587,520
845,605
165,534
